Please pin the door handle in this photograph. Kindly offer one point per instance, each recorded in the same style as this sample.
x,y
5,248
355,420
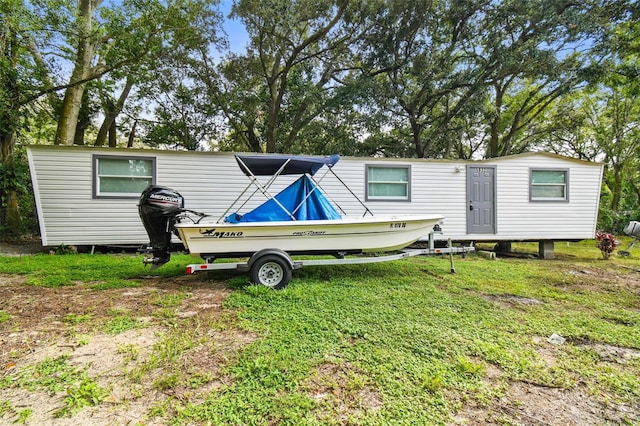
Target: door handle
x,y
470,208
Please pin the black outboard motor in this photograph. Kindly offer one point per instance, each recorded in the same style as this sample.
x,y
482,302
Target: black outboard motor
x,y
158,209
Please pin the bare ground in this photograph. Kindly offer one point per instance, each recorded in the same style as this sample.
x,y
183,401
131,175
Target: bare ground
x,y
38,328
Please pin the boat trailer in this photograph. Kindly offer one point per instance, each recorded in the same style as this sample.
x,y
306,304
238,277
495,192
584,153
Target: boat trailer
x,y
273,267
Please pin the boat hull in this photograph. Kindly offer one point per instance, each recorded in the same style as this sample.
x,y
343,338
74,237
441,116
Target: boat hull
x,y
346,235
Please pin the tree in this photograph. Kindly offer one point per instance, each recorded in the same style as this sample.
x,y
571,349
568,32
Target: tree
x,y
289,75
121,38
112,108
439,62
564,128
615,117
182,29
539,58
23,78
183,119
39,40
87,40
417,54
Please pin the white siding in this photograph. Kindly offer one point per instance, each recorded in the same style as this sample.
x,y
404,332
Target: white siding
x,y
519,218
209,182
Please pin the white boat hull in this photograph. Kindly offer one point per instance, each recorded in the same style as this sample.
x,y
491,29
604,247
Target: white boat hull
x,y
349,235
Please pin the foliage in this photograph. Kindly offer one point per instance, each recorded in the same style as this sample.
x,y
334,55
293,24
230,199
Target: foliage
x,y
14,176
64,249
607,243
51,374
120,324
289,76
86,393
55,375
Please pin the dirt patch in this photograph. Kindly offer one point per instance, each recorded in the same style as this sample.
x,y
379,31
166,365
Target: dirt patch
x,y
538,405
342,391
509,300
72,323
22,248
602,280
528,403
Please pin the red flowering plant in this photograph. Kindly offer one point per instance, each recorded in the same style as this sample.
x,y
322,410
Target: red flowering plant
x,y
607,243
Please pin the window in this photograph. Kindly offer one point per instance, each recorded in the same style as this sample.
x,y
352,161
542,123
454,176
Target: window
x,y
122,177
549,185
388,183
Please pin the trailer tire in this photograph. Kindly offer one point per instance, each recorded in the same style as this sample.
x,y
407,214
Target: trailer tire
x,y
271,270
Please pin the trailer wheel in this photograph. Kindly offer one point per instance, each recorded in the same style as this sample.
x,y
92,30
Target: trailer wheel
x,y
272,271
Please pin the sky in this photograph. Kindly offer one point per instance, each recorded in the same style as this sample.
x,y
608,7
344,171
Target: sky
x,y
235,30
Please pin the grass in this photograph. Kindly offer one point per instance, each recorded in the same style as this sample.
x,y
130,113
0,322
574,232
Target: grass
x,y
403,342
46,270
55,375
417,336
121,323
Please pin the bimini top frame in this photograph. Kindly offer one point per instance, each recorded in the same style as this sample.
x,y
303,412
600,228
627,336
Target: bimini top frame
x,y
274,165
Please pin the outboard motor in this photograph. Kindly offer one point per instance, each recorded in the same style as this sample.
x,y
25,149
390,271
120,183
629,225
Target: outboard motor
x,y
158,209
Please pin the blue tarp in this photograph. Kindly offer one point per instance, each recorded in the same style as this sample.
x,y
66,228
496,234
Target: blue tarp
x,y
315,207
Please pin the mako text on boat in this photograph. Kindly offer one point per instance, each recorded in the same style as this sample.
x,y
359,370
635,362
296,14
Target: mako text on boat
x,y
299,220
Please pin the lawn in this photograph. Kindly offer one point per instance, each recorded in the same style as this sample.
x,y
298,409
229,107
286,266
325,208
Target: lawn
x,y
99,339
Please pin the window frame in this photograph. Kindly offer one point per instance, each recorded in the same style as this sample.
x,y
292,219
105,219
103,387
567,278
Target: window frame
x,y
369,197
533,199
118,195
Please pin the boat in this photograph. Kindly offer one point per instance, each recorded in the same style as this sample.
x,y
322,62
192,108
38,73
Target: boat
x,y
347,235
299,220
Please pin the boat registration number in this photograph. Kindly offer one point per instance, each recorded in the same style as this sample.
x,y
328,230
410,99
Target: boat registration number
x,y
398,225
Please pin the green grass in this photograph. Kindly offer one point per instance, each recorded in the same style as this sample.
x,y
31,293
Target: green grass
x,y
120,324
55,375
417,335
85,393
403,342
46,270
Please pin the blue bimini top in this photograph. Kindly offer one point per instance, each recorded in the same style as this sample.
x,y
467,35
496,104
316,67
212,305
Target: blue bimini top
x,y
269,164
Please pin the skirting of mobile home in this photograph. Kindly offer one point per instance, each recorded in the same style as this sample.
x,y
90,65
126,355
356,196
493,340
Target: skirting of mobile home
x,y
89,196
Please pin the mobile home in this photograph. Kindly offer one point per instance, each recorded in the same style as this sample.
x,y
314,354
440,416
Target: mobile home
x,y
89,196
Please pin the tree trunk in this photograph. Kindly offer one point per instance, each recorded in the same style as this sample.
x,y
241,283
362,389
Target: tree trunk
x,y
616,189
13,219
7,142
416,131
11,214
84,121
113,137
274,114
493,150
132,134
111,112
70,109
